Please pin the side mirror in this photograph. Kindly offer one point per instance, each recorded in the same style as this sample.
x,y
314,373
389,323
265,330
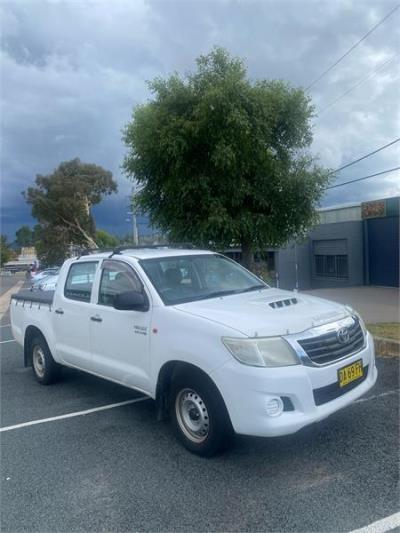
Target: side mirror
x,y
131,301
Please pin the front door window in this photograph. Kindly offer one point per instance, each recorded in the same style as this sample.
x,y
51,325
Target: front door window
x,y
116,277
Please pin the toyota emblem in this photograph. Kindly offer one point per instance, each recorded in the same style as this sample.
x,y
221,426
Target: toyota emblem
x,y
343,335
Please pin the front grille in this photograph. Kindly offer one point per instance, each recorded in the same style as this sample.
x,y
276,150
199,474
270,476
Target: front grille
x,y
326,348
333,391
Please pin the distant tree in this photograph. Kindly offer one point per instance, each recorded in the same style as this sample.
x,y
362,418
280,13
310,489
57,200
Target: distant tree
x,y
105,239
221,159
62,202
24,236
53,246
5,251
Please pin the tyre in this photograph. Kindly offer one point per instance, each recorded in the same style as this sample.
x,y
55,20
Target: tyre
x,y
199,416
45,369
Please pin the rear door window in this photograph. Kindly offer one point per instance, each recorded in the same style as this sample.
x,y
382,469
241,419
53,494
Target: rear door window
x,y
78,285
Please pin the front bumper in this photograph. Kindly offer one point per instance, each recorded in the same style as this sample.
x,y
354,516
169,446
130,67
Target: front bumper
x,y
247,390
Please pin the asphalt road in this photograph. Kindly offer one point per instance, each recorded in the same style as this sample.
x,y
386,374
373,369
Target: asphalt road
x,y
6,282
121,470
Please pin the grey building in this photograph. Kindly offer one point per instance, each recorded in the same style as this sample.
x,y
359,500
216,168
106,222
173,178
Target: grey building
x,y
352,245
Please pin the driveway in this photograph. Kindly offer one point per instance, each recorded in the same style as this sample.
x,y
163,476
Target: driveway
x,y
375,304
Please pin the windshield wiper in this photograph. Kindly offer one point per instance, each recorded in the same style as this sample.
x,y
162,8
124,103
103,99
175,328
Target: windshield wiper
x,y
255,288
216,294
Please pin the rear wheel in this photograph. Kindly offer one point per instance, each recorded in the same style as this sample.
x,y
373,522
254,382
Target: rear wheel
x,y
45,369
199,416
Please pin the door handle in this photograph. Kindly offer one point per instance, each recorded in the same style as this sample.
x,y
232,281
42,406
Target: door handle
x,y
59,311
96,318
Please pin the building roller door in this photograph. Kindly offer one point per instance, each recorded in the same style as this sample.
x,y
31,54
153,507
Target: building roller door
x,y
383,251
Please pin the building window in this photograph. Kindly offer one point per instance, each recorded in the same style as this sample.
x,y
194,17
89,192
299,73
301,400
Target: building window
x,y
331,266
319,265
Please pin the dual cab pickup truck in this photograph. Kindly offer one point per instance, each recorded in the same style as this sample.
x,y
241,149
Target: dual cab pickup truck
x,y
219,350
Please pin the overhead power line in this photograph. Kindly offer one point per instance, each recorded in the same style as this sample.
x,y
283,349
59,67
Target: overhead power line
x,y
361,82
351,49
363,178
365,156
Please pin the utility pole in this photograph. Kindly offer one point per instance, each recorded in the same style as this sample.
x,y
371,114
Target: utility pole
x,y
132,213
135,230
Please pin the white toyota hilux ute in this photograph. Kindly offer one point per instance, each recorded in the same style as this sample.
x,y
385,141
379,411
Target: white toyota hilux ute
x,y
220,351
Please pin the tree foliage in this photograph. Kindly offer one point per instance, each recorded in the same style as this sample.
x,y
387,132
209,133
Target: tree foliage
x,y
24,236
223,160
52,244
6,253
106,240
62,202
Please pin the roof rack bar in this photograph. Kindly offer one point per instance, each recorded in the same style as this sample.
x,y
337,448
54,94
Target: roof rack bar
x,y
119,249
89,251
178,246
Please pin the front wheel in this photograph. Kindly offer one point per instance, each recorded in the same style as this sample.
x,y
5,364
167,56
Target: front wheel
x,y
199,416
45,369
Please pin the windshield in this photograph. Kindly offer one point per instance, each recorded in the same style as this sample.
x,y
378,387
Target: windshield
x,y
197,277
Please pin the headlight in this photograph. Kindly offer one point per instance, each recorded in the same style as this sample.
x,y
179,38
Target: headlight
x,y
268,351
355,313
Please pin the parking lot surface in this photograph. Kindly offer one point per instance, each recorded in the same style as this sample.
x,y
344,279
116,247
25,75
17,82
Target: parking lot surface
x,y
121,470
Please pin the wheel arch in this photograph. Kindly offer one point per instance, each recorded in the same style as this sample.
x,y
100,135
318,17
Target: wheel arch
x,y
30,333
165,376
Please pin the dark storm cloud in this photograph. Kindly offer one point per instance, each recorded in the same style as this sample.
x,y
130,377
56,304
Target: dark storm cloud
x,y
72,71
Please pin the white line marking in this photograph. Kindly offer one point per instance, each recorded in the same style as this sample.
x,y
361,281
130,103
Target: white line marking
x,y
5,326
11,340
381,526
387,393
71,415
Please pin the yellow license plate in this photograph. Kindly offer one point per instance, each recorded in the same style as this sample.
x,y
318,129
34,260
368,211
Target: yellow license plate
x,y
350,373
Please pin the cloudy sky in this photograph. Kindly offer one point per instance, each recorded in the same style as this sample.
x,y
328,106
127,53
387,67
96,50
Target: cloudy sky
x,y
71,71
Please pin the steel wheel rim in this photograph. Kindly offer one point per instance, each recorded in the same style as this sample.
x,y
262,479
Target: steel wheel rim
x,y
38,361
192,415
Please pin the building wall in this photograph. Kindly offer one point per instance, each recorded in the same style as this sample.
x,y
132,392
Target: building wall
x,y
352,245
340,214
286,265
352,234
334,239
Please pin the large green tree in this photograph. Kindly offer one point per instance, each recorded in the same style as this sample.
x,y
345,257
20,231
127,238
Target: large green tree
x,y
221,159
62,202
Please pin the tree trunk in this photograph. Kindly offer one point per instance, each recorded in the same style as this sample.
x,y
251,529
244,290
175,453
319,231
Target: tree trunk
x,y
248,255
91,242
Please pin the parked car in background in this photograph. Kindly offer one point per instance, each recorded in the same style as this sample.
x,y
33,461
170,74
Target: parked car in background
x,y
48,283
38,277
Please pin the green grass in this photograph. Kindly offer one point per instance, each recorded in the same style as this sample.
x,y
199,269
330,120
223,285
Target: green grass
x,y
389,330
